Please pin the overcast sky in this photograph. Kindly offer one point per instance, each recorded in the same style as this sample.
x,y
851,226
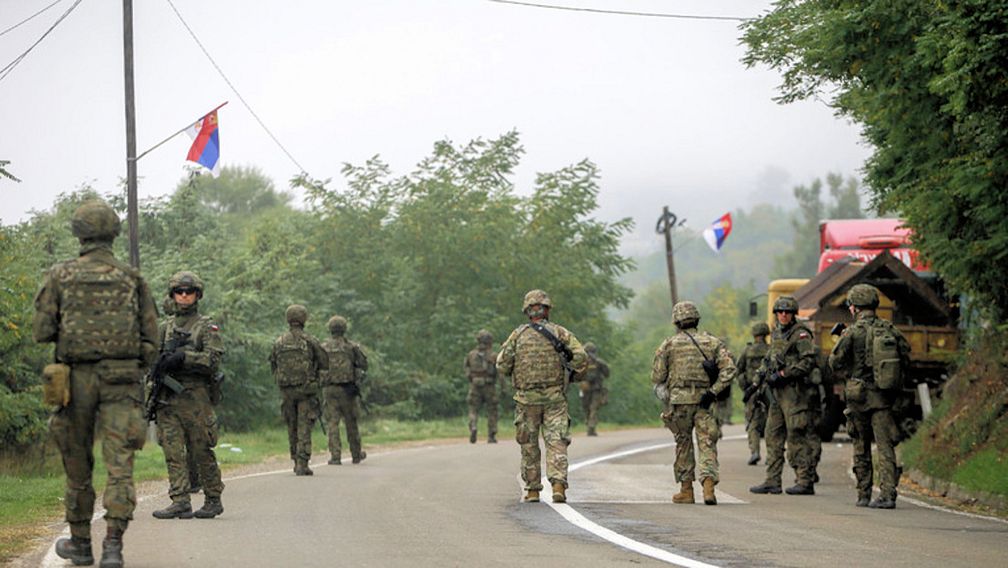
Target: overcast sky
x,y
662,105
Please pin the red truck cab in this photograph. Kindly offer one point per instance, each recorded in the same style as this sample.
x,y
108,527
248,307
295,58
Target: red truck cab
x,y
864,239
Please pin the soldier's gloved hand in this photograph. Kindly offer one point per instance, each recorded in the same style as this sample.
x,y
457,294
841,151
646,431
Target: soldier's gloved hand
x,y
777,379
707,399
749,392
174,361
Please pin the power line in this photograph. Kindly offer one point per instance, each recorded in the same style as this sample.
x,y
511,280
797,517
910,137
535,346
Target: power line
x,y
623,12
29,18
10,66
233,88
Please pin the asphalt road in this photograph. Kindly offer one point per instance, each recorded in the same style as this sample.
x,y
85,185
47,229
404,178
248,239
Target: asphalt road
x,y
458,505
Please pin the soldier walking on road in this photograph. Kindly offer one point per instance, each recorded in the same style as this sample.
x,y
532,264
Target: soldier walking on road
x,y
186,422
100,314
754,395
593,393
786,369
296,362
687,381
341,391
480,367
872,355
539,357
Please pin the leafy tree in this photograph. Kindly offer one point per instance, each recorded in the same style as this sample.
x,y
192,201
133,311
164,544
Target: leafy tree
x,y
4,173
925,81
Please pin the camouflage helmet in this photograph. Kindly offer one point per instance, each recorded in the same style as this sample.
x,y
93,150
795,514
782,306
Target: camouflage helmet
x,y
590,347
863,296
760,328
337,325
484,336
95,220
534,297
296,313
185,279
684,312
786,304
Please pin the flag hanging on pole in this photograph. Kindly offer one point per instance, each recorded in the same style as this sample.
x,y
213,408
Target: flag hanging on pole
x,y
205,149
719,230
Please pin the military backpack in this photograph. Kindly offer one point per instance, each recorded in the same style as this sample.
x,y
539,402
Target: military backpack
x,y
341,362
99,315
883,350
294,366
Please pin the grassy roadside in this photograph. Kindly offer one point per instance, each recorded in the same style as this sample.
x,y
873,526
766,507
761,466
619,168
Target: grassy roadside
x,y
31,496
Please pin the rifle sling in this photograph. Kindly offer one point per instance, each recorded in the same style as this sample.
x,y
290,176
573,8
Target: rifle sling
x,y
560,348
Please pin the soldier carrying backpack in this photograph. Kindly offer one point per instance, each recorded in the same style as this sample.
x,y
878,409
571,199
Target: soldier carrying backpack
x,y
872,355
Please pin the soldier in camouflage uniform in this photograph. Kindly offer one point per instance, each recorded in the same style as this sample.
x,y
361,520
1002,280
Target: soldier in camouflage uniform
x,y
296,361
754,394
540,367
786,369
100,314
593,394
869,407
341,390
689,394
480,367
187,424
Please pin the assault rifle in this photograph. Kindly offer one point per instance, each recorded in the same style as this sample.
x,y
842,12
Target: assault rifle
x,y
158,376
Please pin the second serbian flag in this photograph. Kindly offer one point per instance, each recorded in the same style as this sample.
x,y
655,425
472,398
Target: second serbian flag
x,y
719,230
205,149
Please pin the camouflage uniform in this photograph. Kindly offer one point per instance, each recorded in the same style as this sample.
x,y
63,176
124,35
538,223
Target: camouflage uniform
x,y
481,369
790,422
678,368
341,390
100,314
539,380
187,423
869,408
756,407
296,362
593,394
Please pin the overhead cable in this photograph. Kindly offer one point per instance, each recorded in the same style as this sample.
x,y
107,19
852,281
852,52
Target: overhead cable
x,y
233,88
29,18
623,12
10,66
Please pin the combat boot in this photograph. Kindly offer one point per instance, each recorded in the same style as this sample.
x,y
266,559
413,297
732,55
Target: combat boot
x,y
708,492
559,492
301,468
883,503
532,496
767,487
492,439
111,554
592,432
754,459
177,510
800,489
335,460
76,550
863,500
685,495
472,436
210,509
195,487
359,457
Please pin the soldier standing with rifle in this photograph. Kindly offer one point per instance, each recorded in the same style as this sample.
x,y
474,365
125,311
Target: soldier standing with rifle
x,y
100,314
593,393
341,390
754,393
186,420
480,368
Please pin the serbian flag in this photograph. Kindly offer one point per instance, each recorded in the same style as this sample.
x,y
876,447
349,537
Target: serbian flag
x,y
205,149
719,230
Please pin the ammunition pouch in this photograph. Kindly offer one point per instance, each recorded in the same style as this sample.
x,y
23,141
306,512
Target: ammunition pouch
x,y
119,371
56,385
855,391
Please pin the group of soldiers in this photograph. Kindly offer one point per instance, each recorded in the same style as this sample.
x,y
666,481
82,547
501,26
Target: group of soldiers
x,y
101,316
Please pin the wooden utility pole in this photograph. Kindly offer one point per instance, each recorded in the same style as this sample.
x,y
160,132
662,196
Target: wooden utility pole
x,y
666,223
132,212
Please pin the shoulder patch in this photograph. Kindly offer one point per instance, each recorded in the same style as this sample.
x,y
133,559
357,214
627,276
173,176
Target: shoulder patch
x,y
804,335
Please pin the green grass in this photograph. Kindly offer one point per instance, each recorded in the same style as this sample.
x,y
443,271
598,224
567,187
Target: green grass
x,y
984,471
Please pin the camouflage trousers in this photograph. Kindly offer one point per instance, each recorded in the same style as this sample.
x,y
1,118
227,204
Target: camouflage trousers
x,y
300,408
789,426
591,401
877,425
755,419
724,410
483,396
187,431
682,420
108,402
341,404
554,422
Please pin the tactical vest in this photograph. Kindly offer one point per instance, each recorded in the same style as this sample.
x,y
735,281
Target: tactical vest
x,y
341,361
754,355
294,365
195,327
537,364
781,343
99,312
687,370
481,364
